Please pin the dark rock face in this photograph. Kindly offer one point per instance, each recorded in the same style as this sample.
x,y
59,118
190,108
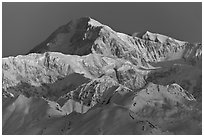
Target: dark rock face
x,y
86,78
76,37
85,35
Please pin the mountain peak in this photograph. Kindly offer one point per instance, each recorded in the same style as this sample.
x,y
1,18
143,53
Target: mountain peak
x,y
94,22
86,78
85,35
160,38
87,20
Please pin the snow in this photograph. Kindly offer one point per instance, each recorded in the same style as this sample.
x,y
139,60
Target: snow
x,y
162,38
94,22
123,36
56,93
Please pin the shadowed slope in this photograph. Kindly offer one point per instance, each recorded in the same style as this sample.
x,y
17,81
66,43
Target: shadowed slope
x,y
110,83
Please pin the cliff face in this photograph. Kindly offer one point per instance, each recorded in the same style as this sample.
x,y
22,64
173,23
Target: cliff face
x,y
85,35
86,78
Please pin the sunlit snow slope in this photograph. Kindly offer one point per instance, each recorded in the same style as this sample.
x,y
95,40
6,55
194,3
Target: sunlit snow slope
x,y
86,78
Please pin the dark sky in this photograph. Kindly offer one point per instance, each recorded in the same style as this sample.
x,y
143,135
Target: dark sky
x,y
27,24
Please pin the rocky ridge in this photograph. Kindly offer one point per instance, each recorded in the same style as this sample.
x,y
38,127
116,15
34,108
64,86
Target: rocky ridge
x,y
86,74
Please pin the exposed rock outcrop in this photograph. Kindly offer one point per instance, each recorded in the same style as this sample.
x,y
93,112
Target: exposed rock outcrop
x,y
86,78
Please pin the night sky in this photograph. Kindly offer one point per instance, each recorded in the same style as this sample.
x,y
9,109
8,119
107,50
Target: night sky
x,y
25,25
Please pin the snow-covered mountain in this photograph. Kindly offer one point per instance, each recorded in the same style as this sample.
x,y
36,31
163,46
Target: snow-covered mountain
x,y
86,78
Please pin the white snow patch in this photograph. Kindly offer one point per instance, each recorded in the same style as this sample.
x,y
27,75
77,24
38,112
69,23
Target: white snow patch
x,y
162,38
94,22
122,36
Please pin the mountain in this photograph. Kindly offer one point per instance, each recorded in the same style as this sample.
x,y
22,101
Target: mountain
x,y
86,78
85,35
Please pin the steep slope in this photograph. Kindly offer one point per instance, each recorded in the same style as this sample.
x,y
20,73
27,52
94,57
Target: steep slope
x,y
154,110
52,75
189,77
81,89
86,78
85,35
